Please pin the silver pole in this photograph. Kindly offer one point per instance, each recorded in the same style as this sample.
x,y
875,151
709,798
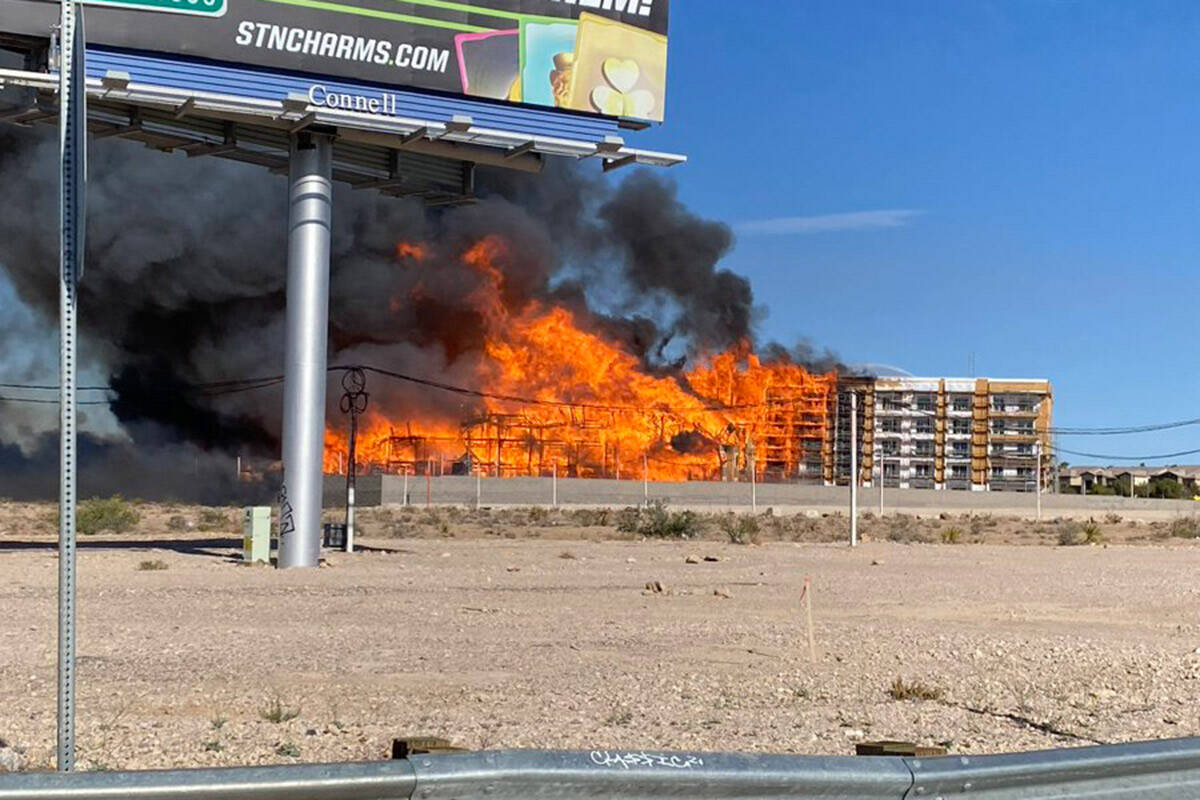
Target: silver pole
x,y
645,479
554,484
753,489
311,201
405,487
879,458
72,132
854,469
478,486
1037,454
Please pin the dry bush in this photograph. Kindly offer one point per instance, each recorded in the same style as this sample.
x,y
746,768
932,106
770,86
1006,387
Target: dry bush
x,y
1070,534
913,690
152,566
106,514
739,528
1184,528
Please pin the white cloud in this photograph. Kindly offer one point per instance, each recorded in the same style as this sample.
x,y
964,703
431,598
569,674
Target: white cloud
x,y
825,223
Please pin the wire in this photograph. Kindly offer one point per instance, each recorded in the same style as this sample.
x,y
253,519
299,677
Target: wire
x,y
1128,458
51,402
238,385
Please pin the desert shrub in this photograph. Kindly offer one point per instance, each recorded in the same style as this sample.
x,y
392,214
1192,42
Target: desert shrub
x,y
952,535
152,566
275,711
177,522
213,519
106,514
592,517
741,529
1070,534
1111,518
1092,533
903,528
913,690
1184,528
538,515
656,521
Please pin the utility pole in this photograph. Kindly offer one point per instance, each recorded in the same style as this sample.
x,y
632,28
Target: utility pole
x,y
72,142
879,458
354,402
1037,450
645,479
853,469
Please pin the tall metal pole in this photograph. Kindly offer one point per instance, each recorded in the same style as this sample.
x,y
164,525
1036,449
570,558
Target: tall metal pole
x,y
753,488
311,201
879,458
1037,454
554,484
645,479
853,469
72,133
354,402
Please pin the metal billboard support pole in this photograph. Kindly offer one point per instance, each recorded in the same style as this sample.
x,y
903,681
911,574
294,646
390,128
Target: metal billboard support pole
x,y
72,132
853,469
311,201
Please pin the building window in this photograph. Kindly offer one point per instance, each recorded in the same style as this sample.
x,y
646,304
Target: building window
x,y
997,404
891,402
997,473
1025,472
998,426
962,426
924,425
891,447
890,425
961,449
962,402
891,470
1025,449
1024,426
958,471
923,470
924,402
997,449
924,448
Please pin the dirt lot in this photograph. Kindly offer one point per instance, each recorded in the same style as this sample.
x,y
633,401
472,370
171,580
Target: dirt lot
x,y
539,631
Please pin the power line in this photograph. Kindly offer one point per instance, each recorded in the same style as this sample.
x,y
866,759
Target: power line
x,y
238,385
1128,458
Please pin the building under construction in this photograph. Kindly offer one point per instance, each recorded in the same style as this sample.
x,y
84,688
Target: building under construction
x,y
937,433
980,434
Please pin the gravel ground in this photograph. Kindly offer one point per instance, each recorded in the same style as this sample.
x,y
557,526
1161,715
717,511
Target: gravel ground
x,y
497,643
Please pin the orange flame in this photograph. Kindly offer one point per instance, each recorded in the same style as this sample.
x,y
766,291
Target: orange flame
x,y
564,399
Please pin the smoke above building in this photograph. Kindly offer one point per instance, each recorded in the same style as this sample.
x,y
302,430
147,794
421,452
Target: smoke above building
x,y
185,287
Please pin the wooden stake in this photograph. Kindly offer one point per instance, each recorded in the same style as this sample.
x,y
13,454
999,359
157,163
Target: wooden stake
x,y
806,600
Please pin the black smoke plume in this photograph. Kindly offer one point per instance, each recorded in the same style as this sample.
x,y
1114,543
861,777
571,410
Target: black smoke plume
x,y
185,282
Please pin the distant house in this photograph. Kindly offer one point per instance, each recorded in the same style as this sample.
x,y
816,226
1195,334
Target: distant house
x,y
1086,480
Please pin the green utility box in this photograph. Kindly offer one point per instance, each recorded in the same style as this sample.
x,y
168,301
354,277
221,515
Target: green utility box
x,y
256,535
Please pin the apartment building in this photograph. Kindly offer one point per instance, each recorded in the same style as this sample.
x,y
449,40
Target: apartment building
x,y
979,434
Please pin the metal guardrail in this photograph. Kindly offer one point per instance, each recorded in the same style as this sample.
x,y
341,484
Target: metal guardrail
x,y
1148,770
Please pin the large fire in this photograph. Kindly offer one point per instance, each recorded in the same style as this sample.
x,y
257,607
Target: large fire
x,y
562,399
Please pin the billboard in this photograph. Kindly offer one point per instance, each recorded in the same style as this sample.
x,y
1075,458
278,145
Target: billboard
x,y
602,57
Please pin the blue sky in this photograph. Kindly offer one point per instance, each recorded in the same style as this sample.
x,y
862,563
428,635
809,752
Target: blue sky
x,y
1022,181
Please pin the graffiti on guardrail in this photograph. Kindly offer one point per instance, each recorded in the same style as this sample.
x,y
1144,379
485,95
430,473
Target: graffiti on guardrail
x,y
604,758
